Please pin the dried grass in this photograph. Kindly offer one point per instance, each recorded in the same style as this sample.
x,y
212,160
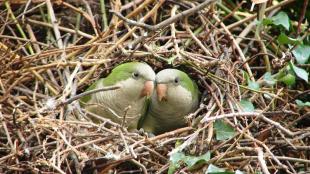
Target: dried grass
x,y
63,50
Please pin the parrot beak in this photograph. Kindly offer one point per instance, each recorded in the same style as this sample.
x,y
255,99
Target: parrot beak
x,y
161,90
147,89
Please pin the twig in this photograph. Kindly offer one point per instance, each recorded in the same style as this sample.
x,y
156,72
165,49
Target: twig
x,y
173,33
255,157
207,52
78,32
125,115
262,162
243,21
129,149
302,16
121,40
167,21
140,165
6,131
236,46
249,114
130,4
70,100
104,23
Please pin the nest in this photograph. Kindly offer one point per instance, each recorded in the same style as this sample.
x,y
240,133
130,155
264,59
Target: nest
x,y
52,50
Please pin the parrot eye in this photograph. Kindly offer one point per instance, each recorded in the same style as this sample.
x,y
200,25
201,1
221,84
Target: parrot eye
x,y
135,75
177,80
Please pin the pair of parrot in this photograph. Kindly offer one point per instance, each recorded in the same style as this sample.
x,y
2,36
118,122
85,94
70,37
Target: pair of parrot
x,y
163,110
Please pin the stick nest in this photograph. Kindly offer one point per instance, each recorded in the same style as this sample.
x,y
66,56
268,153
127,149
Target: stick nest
x,y
52,50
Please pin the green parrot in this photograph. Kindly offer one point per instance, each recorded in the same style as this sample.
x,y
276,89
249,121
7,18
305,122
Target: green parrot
x,y
136,81
175,97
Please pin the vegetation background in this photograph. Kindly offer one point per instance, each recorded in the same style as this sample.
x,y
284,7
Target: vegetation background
x,y
250,59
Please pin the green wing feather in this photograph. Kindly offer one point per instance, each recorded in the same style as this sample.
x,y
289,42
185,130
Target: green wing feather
x,y
86,98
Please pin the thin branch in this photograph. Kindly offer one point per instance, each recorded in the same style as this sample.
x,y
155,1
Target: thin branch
x,y
168,21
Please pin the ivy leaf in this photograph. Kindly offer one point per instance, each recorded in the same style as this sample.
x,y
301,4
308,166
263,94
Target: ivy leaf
x,y
251,84
175,159
267,21
178,158
301,73
239,172
173,168
302,53
302,104
212,169
246,105
284,39
281,19
223,131
268,79
191,161
288,79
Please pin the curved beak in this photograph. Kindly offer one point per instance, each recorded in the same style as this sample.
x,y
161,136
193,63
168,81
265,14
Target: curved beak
x,y
161,90
147,89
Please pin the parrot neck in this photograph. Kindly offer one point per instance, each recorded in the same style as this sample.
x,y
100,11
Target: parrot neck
x,y
179,103
168,115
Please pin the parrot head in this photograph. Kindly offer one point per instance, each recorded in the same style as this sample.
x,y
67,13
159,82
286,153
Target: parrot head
x,y
173,84
135,79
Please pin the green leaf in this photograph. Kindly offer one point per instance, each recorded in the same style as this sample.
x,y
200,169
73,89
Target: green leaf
x,y
301,73
268,79
253,85
223,131
302,104
281,19
178,158
288,79
238,172
212,169
284,39
172,168
175,159
302,53
246,105
190,161
267,21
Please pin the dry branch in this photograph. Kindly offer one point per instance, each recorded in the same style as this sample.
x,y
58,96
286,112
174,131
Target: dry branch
x,y
51,51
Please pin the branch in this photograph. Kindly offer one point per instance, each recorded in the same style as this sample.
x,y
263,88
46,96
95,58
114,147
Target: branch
x,y
167,21
70,100
250,114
